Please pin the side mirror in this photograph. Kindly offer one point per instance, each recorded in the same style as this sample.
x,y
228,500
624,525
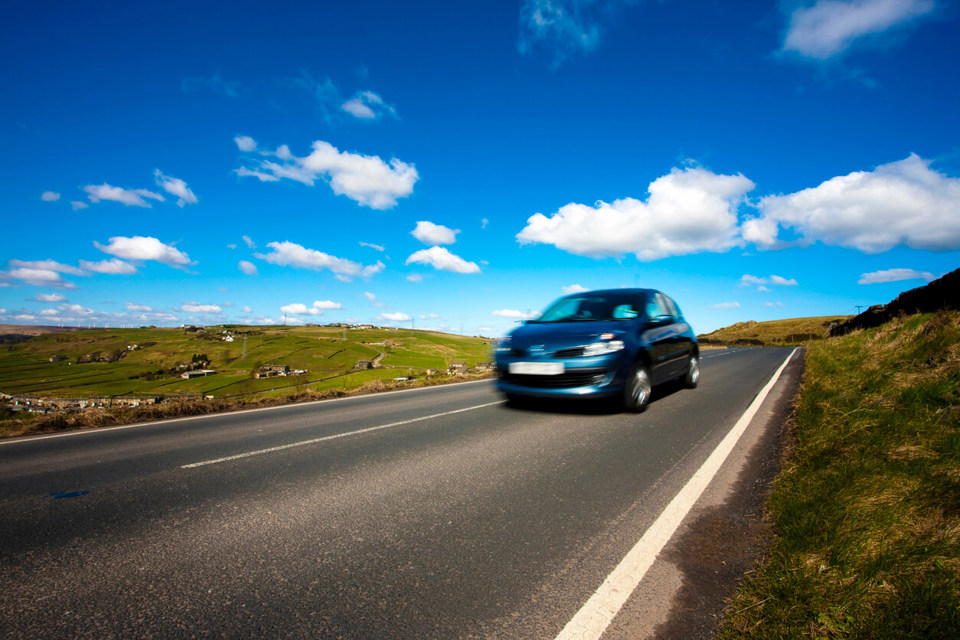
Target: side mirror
x,y
660,321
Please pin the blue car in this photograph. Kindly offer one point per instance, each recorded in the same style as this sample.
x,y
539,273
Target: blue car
x,y
617,343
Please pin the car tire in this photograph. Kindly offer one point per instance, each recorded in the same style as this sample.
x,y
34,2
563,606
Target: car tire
x,y
638,389
692,376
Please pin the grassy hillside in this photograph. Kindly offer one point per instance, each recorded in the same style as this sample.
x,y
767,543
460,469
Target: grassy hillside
x,y
772,333
866,513
113,362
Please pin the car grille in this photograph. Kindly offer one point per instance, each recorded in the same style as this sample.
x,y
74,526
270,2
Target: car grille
x,y
569,380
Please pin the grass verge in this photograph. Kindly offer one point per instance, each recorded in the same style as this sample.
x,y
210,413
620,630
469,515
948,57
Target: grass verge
x,y
866,513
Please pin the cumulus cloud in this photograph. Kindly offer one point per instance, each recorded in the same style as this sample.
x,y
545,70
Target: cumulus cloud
x,y
50,297
204,309
367,105
137,307
245,143
901,203
39,273
367,180
434,234
111,266
829,27
748,280
574,288
441,259
247,267
895,275
142,248
175,187
513,314
49,196
318,307
290,254
394,317
688,211
128,197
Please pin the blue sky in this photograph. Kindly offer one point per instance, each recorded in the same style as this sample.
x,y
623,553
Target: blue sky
x,y
458,165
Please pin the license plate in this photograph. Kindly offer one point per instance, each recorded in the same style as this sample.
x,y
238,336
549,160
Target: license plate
x,y
537,368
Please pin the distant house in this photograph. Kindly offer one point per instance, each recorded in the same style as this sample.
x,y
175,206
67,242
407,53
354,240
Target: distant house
x,y
458,368
272,371
482,367
187,375
365,364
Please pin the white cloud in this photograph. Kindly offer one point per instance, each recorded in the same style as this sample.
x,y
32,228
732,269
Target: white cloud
x,y
375,247
50,297
726,305
50,265
319,306
368,180
895,275
574,288
367,105
111,266
434,234
137,307
777,305
513,314
76,309
142,248
901,203
77,205
373,298
249,242
441,259
689,211
290,254
205,309
49,196
784,282
247,267
831,26
245,143
175,187
394,317
128,197
415,277
40,273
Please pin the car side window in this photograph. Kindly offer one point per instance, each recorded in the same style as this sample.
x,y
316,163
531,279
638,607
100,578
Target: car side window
x,y
672,307
655,307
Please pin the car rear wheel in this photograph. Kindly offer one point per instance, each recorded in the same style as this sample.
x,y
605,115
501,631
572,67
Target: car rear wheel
x,y
639,388
692,376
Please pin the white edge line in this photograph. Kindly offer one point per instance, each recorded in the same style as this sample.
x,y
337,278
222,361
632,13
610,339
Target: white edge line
x,y
599,611
150,423
302,443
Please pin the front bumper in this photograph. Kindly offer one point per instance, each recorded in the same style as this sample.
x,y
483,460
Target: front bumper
x,y
594,382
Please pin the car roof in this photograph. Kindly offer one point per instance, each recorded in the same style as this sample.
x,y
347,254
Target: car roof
x,y
624,290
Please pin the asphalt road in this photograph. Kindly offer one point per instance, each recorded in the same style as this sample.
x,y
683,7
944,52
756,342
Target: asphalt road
x,y
432,513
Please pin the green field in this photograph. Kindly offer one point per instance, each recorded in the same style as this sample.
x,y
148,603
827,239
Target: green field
x,y
101,362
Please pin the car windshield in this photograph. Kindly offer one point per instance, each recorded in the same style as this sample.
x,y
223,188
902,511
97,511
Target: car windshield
x,y
593,307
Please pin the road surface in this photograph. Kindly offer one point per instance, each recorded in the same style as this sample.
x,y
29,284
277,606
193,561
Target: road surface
x,y
433,513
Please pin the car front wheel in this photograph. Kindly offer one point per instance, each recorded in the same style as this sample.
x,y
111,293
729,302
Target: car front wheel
x,y
692,376
639,388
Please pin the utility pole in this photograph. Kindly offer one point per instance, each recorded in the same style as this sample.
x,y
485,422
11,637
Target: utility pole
x,y
858,306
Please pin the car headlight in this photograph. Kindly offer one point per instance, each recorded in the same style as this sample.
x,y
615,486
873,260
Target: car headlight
x,y
602,348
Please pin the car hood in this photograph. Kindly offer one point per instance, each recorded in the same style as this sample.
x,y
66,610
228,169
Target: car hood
x,y
557,335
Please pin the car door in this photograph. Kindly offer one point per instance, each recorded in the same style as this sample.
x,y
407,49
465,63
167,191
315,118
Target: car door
x,y
681,345
660,335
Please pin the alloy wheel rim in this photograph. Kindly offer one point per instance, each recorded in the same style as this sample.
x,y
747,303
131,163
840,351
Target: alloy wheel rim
x,y
641,387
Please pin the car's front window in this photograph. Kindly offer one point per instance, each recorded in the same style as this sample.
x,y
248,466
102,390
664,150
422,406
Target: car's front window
x,y
592,308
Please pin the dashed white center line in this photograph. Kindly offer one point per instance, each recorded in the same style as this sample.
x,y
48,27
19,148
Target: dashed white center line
x,y
303,443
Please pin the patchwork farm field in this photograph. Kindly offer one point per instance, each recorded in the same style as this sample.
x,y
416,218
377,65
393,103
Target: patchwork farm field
x,y
151,361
